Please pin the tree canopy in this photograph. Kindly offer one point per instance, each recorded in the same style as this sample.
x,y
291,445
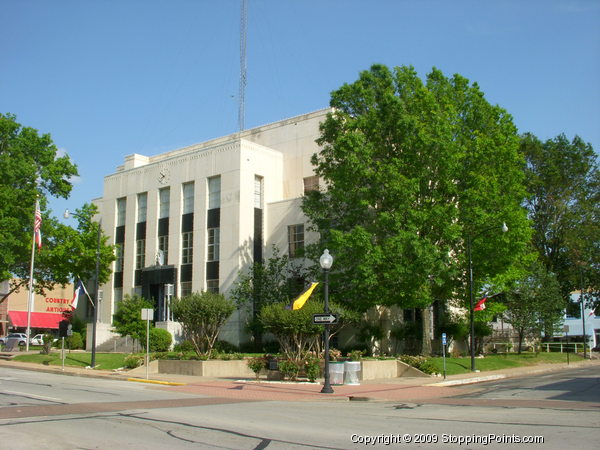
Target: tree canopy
x,y
202,314
31,168
410,170
564,205
534,304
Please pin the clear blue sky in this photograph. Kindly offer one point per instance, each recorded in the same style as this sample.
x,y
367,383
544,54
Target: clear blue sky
x,y
115,77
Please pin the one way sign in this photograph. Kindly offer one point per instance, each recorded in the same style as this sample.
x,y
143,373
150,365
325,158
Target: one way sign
x,y
325,319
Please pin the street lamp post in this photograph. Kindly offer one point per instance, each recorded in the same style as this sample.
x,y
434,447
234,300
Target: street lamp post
x,y
471,299
326,261
67,214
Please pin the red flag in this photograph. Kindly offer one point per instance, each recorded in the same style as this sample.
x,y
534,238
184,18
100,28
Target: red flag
x,y
37,223
480,306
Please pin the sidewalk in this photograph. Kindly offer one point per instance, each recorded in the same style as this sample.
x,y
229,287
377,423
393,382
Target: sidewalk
x,y
405,389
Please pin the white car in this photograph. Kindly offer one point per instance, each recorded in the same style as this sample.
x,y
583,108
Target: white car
x,y
21,338
38,339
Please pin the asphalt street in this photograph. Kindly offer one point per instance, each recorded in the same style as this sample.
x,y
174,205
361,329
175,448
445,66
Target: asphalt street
x,y
49,410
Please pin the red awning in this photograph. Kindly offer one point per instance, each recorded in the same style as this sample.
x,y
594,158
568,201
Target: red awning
x,y
18,319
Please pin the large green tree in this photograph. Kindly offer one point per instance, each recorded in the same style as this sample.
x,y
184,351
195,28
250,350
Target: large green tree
x,y
564,205
31,168
411,169
534,304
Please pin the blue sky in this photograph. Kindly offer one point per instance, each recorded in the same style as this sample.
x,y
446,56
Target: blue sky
x,y
115,77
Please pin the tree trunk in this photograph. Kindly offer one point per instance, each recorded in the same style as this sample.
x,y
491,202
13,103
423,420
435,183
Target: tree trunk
x,y
426,316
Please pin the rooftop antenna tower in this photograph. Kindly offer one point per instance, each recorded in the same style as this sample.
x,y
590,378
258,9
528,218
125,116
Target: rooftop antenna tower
x,y
243,32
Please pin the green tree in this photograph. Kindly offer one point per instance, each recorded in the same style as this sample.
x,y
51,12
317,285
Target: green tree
x,y
30,167
70,253
201,316
411,170
279,279
535,305
128,318
563,180
271,282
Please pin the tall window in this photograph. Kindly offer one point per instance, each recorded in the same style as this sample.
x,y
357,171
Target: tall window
x,y
120,261
142,206
295,239
311,184
212,286
121,209
188,198
214,238
187,242
164,202
186,288
214,192
163,246
258,192
140,253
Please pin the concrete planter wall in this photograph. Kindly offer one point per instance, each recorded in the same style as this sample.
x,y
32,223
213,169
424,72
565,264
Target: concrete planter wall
x,y
370,370
391,368
211,368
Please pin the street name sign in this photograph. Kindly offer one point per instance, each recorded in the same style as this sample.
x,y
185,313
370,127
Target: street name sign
x,y
325,319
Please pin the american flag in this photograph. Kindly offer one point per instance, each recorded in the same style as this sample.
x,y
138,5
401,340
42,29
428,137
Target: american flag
x,y
37,223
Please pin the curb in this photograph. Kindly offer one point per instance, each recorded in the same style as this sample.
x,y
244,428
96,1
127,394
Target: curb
x,y
168,383
468,380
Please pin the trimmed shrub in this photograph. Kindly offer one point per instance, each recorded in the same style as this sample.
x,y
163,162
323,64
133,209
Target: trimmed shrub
x,y
160,340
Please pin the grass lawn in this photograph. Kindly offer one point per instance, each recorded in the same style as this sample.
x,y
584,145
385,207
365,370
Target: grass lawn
x,y
105,361
495,362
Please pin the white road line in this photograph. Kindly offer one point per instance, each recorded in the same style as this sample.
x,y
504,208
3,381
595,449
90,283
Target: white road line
x,y
26,394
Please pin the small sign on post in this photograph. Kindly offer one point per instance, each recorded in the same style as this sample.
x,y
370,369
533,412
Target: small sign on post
x,y
147,315
444,352
325,319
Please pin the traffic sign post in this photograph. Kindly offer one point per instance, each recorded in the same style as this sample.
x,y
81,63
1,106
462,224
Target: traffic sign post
x,y
147,315
325,319
566,330
444,352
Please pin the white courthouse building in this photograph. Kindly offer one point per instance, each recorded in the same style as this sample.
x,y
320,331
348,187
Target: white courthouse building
x,y
194,217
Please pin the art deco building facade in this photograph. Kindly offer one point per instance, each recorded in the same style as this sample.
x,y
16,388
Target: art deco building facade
x,y
191,219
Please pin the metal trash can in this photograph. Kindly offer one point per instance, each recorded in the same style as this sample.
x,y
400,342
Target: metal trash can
x,y
352,372
336,372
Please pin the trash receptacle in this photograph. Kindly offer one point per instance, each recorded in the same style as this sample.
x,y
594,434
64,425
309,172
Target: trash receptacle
x,y
336,372
352,372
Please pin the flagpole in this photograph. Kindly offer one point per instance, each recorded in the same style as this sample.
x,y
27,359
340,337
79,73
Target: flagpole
x,y
30,300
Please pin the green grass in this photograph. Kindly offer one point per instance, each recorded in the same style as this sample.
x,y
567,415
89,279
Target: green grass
x,y
460,365
104,361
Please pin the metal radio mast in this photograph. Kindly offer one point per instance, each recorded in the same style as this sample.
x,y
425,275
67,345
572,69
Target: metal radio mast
x,y
243,32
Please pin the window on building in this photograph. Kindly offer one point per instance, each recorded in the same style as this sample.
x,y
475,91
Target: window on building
x,y
574,310
164,195
118,296
121,210
163,246
214,239
186,288
295,240
187,242
258,192
142,206
212,286
214,192
311,184
120,260
140,253
188,197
